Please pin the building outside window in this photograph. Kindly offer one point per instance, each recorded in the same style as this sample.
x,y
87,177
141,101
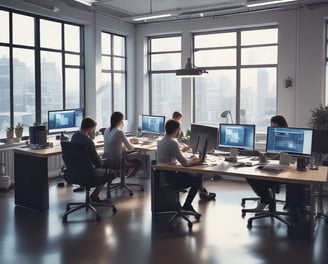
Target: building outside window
x,y
111,95
242,66
164,54
38,71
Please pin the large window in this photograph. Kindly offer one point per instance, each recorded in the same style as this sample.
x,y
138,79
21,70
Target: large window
x,y
165,88
111,95
242,66
39,71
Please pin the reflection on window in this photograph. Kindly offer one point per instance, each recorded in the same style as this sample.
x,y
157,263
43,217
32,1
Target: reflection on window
x,y
253,62
4,90
165,57
50,40
111,95
72,38
72,88
4,29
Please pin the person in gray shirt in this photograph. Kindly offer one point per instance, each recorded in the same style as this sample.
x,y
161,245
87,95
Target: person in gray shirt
x,y
168,151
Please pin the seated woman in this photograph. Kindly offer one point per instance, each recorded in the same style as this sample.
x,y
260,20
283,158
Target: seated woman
x,y
117,147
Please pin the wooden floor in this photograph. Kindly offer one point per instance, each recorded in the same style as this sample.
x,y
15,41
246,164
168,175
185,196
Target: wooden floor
x,y
129,236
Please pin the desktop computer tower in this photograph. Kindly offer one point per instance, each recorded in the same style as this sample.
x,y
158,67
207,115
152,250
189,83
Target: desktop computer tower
x,y
38,136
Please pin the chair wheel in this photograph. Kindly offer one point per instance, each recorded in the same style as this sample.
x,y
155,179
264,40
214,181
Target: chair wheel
x,y
64,219
197,216
114,210
98,218
243,214
249,223
190,225
130,193
142,189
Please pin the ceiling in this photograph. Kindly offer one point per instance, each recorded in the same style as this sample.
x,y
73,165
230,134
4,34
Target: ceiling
x,y
126,10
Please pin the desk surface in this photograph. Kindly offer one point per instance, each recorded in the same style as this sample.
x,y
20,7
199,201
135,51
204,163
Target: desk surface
x,y
290,174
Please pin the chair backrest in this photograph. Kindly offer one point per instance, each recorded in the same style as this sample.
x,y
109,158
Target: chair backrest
x,y
79,167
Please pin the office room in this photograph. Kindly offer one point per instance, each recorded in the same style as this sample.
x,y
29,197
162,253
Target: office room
x,y
286,76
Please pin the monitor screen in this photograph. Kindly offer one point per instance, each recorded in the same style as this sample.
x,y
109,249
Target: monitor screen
x,y
210,132
60,121
296,141
152,124
237,136
319,141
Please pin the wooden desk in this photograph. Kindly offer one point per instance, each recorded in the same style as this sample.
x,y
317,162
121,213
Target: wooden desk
x,y
31,174
313,178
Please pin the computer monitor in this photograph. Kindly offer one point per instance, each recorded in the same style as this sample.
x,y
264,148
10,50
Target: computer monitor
x,y
152,124
64,121
295,141
210,132
237,136
319,141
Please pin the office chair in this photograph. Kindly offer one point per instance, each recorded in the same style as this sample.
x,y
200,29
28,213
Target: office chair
x,y
178,212
271,212
117,169
80,170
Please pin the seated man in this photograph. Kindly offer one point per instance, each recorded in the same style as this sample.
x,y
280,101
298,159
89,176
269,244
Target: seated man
x,y
168,151
88,127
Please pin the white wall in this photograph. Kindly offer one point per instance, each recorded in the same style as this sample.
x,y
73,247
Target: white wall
x,y
301,55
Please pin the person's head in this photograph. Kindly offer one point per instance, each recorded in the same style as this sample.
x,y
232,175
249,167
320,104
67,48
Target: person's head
x,y
278,121
172,128
177,116
88,126
116,120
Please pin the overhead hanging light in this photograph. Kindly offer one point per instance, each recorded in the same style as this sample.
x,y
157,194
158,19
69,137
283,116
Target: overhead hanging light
x,y
270,2
190,70
84,2
151,15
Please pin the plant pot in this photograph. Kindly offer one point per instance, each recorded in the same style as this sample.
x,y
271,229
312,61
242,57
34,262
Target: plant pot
x,y
19,133
10,134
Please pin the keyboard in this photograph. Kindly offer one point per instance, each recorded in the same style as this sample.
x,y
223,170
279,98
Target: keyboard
x,y
272,167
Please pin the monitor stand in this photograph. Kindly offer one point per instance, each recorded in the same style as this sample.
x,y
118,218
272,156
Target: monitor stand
x,y
62,137
233,155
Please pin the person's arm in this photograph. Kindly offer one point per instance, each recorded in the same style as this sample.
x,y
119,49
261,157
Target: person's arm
x,y
178,155
126,142
94,155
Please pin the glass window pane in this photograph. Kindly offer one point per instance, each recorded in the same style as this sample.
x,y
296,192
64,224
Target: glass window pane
x,y
259,36
51,83
162,86
171,61
72,59
258,90
53,40
215,40
119,45
105,61
326,83
23,30
105,43
4,91
72,38
4,29
259,55
104,101
72,88
119,92
208,58
215,93
166,44
24,86
119,64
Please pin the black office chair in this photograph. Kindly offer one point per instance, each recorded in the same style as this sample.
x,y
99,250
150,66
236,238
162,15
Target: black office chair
x,y
271,212
116,168
178,212
79,170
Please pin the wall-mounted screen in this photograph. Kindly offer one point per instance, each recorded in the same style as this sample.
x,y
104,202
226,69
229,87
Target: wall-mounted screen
x,y
240,136
296,141
61,121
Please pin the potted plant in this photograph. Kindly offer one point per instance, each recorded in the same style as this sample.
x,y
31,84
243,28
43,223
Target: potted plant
x,y
19,130
10,134
319,118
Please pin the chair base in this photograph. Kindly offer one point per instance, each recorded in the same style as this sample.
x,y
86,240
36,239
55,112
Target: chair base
x,y
124,185
273,215
75,206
